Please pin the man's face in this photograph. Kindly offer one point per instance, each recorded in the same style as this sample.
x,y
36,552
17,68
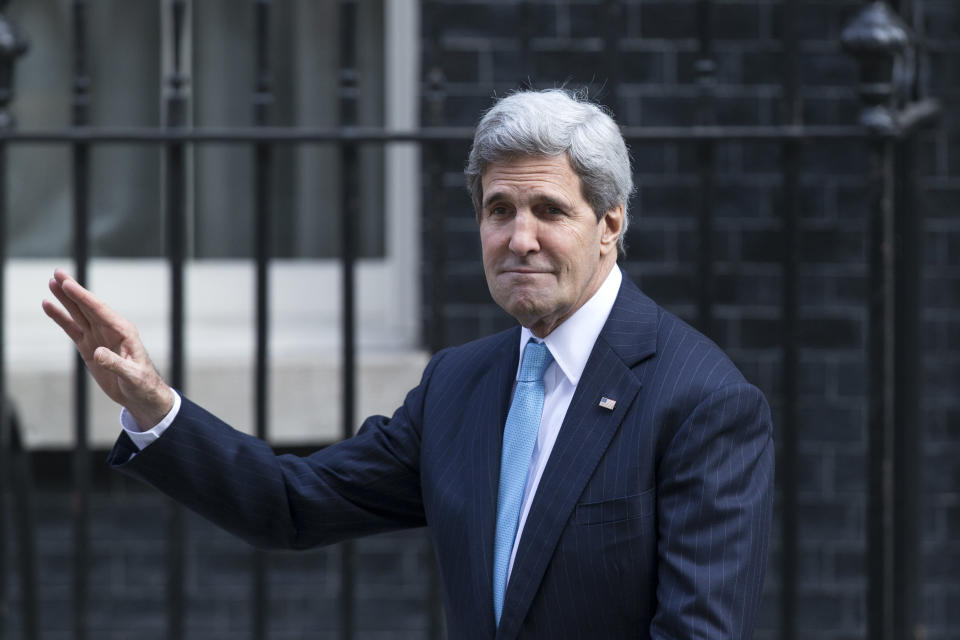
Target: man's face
x,y
544,252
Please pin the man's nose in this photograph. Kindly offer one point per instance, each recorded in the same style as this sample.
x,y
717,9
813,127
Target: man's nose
x,y
523,236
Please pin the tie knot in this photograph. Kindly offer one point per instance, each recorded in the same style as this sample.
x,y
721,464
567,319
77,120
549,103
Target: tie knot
x,y
536,359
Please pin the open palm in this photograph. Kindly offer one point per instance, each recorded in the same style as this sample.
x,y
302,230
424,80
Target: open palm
x,y
111,349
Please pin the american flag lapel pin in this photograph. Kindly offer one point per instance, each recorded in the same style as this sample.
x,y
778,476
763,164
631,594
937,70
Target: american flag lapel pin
x,y
607,403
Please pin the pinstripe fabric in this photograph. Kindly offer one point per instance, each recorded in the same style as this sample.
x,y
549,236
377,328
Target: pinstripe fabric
x,y
650,521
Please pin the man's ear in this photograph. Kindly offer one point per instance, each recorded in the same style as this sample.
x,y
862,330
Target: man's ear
x,y
611,228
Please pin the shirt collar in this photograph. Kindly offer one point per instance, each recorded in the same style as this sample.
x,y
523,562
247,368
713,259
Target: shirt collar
x,y
572,341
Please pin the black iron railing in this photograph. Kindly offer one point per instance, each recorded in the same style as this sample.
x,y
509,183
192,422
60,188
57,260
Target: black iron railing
x,y
892,113
15,479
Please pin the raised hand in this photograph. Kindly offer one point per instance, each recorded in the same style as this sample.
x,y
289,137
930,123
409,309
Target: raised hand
x,y
110,346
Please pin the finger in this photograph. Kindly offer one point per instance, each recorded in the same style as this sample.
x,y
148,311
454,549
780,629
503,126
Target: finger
x,y
58,315
57,290
60,275
94,310
113,363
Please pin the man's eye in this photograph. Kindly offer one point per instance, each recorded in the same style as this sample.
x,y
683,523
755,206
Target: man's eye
x,y
555,211
498,211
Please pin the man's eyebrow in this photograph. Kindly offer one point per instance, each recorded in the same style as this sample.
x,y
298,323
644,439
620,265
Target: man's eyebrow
x,y
550,201
492,197
541,199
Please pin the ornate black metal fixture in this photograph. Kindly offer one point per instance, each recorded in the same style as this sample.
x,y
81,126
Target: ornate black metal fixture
x,y
884,49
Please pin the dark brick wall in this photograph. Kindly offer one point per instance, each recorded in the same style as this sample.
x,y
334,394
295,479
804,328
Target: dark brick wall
x,y
940,179
128,552
478,46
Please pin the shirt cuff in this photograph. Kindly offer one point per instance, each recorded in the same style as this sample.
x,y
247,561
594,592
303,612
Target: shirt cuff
x,y
144,438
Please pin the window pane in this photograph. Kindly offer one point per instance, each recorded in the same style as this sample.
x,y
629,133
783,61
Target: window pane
x,y
125,49
124,91
305,179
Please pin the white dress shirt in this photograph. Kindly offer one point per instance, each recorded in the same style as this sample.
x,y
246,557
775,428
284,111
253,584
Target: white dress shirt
x,y
570,344
144,438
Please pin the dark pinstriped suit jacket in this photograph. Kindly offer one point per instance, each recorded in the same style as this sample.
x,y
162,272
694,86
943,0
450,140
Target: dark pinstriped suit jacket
x,y
651,520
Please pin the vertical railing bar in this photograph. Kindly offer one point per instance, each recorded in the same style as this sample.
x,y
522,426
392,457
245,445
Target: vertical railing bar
x,y
262,98
80,462
877,37
436,212
436,257
881,393
706,168
175,198
526,37
12,473
789,441
5,428
4,423
611,43
908,495
25,525
349,215
14,458
908,498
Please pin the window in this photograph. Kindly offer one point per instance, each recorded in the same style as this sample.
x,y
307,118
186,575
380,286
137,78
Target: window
x,y
129,49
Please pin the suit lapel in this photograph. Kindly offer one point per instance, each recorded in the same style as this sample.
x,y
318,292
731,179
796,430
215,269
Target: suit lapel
x,y
494,402
628,337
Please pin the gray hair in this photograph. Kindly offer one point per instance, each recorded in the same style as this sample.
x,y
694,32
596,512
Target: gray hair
x,y
549,123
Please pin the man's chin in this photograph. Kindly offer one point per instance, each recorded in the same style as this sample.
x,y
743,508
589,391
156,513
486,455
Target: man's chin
x,y
526,312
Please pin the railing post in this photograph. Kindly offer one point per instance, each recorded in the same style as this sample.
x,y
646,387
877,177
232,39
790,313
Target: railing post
x,y
24,525
349,212
706,167
882,45
788,445
612,27
436,258
176,118
80,108
12,46
436,212
262,99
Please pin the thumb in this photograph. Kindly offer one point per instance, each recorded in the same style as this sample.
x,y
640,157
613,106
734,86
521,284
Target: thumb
x,y
110,361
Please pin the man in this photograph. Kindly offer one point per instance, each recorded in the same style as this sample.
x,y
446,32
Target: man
x,y
600,471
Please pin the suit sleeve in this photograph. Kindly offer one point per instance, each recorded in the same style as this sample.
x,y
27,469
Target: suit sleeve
x,y
363,485
715,491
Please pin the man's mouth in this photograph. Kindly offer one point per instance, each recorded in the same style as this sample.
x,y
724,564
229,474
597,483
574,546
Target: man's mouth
x,y
524,270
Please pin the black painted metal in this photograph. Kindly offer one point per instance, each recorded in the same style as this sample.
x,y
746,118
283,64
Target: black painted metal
x,y
350,212
4,423
880,604
527,30
908,495
706,169
435,336
262,99
612,27
12,46
787,467
310,135
175,162
909,437
81,203
882,45
17,466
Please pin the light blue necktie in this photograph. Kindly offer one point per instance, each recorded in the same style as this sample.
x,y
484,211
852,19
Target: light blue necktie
x,y
519,436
